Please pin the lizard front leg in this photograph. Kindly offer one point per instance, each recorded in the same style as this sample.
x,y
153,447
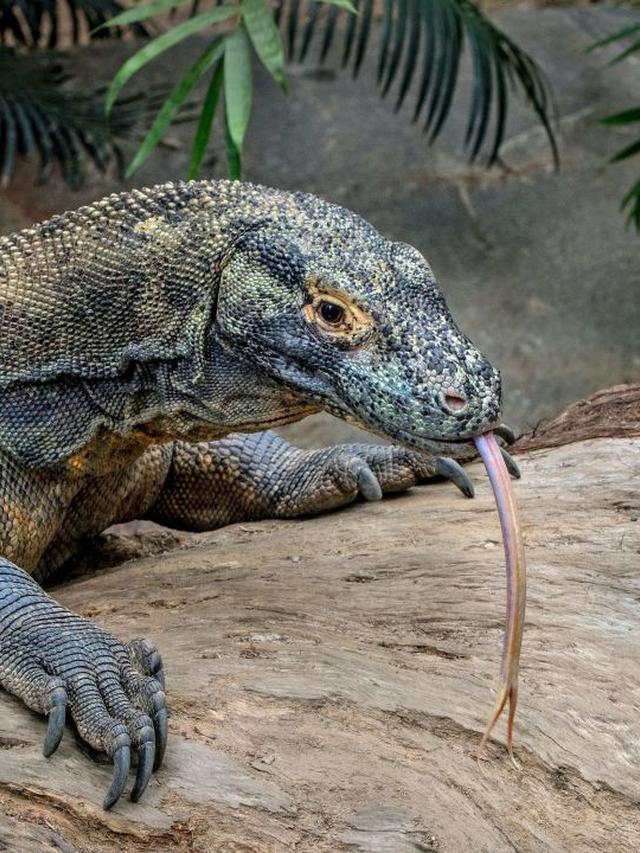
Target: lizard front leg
x,y
251,476
53,659
58,662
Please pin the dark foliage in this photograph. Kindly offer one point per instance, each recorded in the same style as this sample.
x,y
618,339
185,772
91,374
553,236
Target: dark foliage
x,y
43,118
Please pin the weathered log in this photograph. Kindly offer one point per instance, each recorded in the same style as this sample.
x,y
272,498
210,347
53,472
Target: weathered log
x,y
329,679
610,413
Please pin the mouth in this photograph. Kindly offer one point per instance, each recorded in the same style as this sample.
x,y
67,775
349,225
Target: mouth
x,y
437,445
318,389
457,440
497,427
442,445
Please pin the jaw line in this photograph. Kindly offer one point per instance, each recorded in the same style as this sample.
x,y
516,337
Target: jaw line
x,y
462,447
450,447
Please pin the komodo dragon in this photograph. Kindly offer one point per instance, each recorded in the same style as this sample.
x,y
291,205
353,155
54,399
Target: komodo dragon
x,y
145,342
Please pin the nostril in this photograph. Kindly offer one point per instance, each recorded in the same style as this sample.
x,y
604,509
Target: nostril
x,y
454,400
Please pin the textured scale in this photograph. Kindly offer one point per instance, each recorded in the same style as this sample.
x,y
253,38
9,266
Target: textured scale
x,y
141,339
131,278
89,292
106,312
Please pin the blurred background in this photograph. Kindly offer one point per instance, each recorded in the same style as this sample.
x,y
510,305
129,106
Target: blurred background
x,y
536,263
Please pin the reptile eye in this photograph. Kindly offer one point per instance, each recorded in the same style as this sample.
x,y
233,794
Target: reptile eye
x,y
332,314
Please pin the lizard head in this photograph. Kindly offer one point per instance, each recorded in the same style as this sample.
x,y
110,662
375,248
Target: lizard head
x,y
355,324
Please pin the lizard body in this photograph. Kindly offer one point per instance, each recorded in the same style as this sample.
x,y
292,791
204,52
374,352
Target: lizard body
x,y
146,343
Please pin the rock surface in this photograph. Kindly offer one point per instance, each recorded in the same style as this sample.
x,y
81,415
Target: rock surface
x,y
329,679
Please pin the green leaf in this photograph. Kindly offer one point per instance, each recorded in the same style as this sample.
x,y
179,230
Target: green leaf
x,y
139,13
329,32
234,156
412,52
237,84
633,48
420,46
625,117
501,107
343,4
205,123
398,44
9,139
385,38
265,37
173,103
366,16
164,42
309,30
629,151
349,38
292,28
485,73
632,201
428,58
617,36
56,124
449,31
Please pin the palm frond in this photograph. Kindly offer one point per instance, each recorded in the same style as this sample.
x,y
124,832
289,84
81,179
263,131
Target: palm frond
x,y
419,50
631,203
43,119
45,23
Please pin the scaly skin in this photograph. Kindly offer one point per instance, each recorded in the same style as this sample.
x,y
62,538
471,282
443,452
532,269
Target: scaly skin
x,y
141,339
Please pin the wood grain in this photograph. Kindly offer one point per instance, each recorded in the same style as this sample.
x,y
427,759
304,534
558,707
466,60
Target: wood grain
x,y
329,679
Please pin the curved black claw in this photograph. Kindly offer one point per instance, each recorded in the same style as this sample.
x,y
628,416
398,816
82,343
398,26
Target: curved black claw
x,y
155,667
512,465
146,760
57,719
160,725
121,764
368,484
451,470
506,433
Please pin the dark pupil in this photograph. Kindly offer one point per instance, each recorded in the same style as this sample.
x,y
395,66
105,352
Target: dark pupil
x,y
331,313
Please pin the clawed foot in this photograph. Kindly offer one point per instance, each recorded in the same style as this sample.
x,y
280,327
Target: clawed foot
x,y
340,474
56,661
508,436
321,480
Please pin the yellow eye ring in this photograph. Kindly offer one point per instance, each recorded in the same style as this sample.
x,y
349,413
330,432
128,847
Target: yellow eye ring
x,y
337,315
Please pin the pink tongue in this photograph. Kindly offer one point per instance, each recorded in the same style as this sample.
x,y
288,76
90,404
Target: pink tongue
x,y
516,584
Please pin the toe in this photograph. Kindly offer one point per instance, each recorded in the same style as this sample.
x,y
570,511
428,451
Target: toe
x,y
147,694
506,433
512,466
160,726
395,469
100,729
22,673
57,717
139,726
146,658
121,751
368,485
451,470
146,761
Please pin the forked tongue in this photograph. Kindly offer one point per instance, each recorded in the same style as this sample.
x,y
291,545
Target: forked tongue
x,y
516,585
